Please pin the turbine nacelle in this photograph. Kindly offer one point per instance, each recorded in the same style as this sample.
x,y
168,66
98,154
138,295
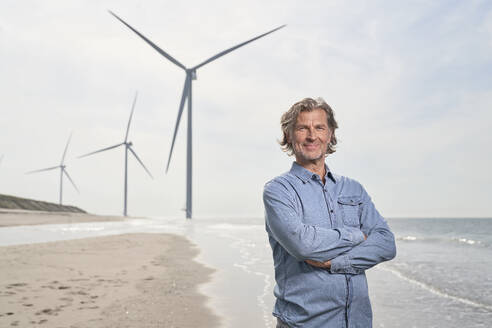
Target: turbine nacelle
x,y
192,73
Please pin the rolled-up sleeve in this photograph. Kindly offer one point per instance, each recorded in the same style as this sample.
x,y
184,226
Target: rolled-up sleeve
x,y
300,240
379,247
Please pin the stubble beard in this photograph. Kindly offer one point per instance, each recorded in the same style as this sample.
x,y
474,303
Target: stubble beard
x,y
306,156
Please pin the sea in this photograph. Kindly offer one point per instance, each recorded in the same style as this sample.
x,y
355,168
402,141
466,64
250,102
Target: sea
x,y
441,276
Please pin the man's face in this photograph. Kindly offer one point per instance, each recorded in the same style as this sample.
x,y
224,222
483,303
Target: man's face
x,y
311,136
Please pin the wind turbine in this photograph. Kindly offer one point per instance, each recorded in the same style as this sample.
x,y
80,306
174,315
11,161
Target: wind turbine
x,y
63,171
186,96
128,147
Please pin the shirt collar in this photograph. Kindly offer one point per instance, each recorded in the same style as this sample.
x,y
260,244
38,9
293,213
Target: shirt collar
x,y
306,175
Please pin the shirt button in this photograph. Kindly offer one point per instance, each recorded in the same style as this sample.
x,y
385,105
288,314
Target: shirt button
x,y
331,211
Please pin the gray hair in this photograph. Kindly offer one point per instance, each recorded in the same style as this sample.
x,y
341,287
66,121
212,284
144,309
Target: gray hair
x,y
289,120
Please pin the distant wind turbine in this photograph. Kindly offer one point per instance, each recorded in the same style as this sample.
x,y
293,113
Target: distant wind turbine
x,y
63,171
128,147
186,96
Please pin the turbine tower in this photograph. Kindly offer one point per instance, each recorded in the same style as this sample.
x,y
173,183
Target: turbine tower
x,y
186,96
63,171
128,147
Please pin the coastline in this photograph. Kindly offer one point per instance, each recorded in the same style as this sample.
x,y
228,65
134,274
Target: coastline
x,y
129,280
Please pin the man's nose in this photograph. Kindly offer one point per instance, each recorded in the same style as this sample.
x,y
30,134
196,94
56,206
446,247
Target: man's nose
x,y
311,133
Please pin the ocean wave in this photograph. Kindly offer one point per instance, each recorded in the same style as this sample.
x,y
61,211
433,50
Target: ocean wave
x,y
409,238
436,291
454,240
468,241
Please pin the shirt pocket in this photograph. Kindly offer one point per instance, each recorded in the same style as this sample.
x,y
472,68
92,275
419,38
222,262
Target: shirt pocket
x,y
350,209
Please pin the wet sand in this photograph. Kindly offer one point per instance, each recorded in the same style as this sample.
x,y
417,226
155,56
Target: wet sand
x,y
10,217
132,280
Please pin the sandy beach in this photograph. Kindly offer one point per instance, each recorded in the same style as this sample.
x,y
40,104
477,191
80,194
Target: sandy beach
x,y
132,280
10,217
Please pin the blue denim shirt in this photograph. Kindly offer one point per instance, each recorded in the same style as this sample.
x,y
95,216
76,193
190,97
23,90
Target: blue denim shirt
x,y
306,219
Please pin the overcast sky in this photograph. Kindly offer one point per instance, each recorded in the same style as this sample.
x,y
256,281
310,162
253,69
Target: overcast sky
x,y
410,83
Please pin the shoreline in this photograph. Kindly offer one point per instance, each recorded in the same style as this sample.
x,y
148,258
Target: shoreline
x,y
129,280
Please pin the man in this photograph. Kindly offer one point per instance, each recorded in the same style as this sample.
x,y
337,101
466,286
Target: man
x,y
323,229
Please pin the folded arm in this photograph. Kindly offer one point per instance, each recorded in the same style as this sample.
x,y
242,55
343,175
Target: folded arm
x,y
301,240
379,246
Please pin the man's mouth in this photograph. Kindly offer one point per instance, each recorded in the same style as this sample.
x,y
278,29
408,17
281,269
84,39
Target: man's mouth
x,y
310,146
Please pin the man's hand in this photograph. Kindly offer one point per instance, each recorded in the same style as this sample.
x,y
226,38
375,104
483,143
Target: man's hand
x,y
324,265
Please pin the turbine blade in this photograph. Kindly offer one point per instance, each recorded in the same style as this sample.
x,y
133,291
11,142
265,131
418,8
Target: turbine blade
x,y
41,170
69,178
220,54
66,147
180,112
100,150
140,161
159,50
131,115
